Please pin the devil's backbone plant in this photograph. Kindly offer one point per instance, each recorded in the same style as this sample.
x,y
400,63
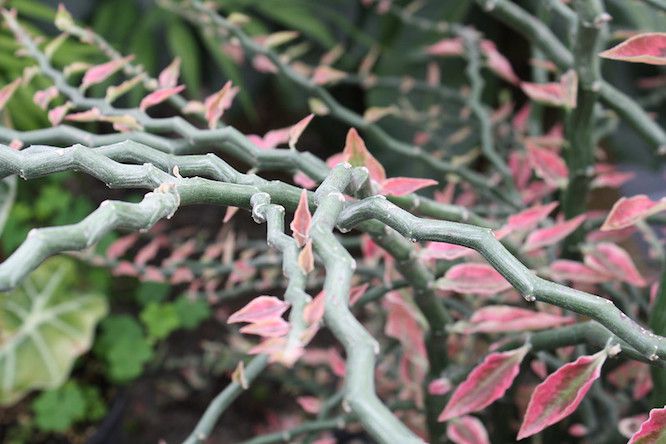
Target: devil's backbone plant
x,y
500,309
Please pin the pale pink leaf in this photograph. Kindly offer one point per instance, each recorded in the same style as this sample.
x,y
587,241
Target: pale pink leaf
x,y
439,386
497,63
553,234
306,258
652,431
263,64
58,113
547,164
43,97
357,292
121,245
229,213
530,218
503,318
648,48
614,261
159,96
99,73
325,75
631,425
467,430
562,94
309,404
217,103
445,251
481,279
568,270
300,225
259,309
560,393
401,186
446,47
304,181
485,384
357,154
314,310
91,115
629,210
268,328
148,252
168,78
7,92
296,130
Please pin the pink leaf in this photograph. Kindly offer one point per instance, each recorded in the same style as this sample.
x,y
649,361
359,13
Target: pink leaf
x,y
481,279
446,47
259,309
402,324
324,75
309,404
159,96
547,164
120,246
467,430
629,210
443,250
58,113
485,384
563,93
99,73
401,186
560,394
306,258
229,213
530,218
552,235
314,311
148,252
267,328
7,92
300,225
567,270
217,103
304,181
439,386
497,63
91,115
642,48
44,97
612,260
169,76
296,130
356,153
630,425
502,318
652,431
357,292
263,64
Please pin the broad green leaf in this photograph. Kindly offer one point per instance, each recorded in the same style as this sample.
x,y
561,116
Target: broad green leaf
x,y
191,313
46,324
160,320
123,347
56,410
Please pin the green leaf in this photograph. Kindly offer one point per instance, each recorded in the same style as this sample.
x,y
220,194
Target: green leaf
x,y
57,410
191,313
7,197
123,347
182,44
46,325
298,17
152,292
160,319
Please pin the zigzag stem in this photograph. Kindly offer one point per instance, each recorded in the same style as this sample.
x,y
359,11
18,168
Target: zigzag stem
x,y
540,35
223,400
360,347
533,288
340,112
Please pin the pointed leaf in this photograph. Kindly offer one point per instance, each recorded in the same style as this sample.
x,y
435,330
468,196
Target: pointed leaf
x,y
7,92
447,47
629,210
44,97
306,258
467,430
529,218
497,63
560,393
401,186
325,75
260,309
99,73
547,164
267,328
552,235
168,78
314,311
57,114
296,130
614,261
309,404
502,318
300,225
485,384
217,103
356,153
567,270
445,251
481,279
562,94
652,431
648,48
159,96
